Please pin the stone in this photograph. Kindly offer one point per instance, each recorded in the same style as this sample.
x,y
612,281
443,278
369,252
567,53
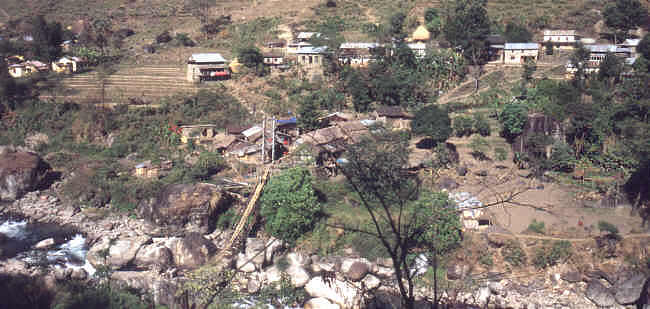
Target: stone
x,y
191,251
35,140
253,285
20,172
371,282
320,266
299,276
123,251
273,246
339,292
255,251
447,183
320,303
481,173
628,290
272,275
298,259
498,240
45,243
79,274
154,255
242,263
355,269
60,274
599,294
482,295
461,170
98,252
572,277
182,208
385,272
495,288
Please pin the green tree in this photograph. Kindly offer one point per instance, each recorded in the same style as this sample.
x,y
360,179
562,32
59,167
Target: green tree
x,y
7,83
47,39
481,124
331,36
308,113
289,205
200,8
463,126
562,157
624,15
517,33
610,69
530,66
433,122
251,57
548,47
433,21
644,47
355,85
404,219
513,118
467,28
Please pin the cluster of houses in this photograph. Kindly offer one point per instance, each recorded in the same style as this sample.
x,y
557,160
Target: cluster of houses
x,y
19,67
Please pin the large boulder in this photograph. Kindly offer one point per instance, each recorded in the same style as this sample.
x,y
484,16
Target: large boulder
x,y
320,303
628,290
181,208
20,172
599,294
191,251
122,251
299,276
163,291
255,251
154,255
355,269
339,292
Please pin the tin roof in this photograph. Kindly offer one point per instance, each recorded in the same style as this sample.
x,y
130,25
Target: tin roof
x,y
560,32
607,48
307,35
207,57
521,46
252,131
358,45
311,50
631,42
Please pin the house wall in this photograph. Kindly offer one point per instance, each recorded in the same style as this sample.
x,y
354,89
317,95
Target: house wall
x,y
570,39
193,73
310,60
517,56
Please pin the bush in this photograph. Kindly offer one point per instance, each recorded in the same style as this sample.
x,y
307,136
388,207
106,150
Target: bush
x,y
486,260
463,126
562,157
164,37
184,40
500,154
513,254
208,164
536,227
103,296
548,256
481,125
434,122
480,147
513,119
605,226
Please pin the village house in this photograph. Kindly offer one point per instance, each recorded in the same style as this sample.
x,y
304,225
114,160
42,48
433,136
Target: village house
x,y
252,134
519,53
27,68
67,65
200,134
357,54
419,49
631,44
311,57
146,170
394,116
273,59
562,39
334,118
301,41
421,34
286,131
597,53
207,67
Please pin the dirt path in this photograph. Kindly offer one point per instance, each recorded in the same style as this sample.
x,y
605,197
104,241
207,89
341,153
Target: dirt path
x,y
540,237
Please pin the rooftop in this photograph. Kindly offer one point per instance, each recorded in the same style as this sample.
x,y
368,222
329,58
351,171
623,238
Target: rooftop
x,y
207,57
521,46
560,32
358,45
607,48
307,35
311,50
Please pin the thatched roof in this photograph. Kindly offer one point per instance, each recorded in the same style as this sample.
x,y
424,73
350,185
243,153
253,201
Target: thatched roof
x,y
421,34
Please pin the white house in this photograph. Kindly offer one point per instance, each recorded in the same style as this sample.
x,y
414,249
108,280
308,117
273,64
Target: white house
x,y
311,56
563,39
206,66
419,49
518,53
67,64
357,54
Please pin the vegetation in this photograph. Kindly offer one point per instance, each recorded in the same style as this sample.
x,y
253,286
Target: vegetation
x,y
513,254
611,229
463,126
624,15
537,227
289,205
434,122
547,256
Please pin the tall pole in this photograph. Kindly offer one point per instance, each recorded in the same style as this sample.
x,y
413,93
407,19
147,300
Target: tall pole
x,y
273,141
263,139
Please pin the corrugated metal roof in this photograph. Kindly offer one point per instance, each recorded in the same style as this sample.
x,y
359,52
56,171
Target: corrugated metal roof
x,y
311,50
307,35
252,131
559,32
358,45
631,42
607,48
521,46
207,57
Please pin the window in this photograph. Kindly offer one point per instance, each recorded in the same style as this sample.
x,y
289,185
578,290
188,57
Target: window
x,y
311,59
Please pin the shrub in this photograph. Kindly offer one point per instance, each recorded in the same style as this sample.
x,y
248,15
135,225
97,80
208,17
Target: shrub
x,y
184,40
164,37
562,157
513,253
605,226
536,227
548,256
479,146
434,122
208,164
513,119
463,126
500,154
486,260
481,125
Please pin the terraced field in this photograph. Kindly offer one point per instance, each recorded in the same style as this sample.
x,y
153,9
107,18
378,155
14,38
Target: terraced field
x,y
148,83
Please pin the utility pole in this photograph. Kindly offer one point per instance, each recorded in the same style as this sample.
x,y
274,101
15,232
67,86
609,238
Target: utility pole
x,y
263,139
273,141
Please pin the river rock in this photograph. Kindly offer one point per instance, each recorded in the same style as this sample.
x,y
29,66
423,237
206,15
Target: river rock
x,y
299,276
371,282
162,290
384,272
298,259
355,269
123,251
572,277
61,273
20,172
191,251
98,252
180,208
339,292
599,294
456,270
154,254
255,251
320,303
243,263
272,275
322,265
628,290
45,243
253,285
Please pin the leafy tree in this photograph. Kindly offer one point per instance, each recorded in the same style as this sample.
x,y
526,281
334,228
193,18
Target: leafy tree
x,y
251,57
467,28
624,15
605,226
562,157
548,47
7,83
463,126
404,219
208,164
479,146
644,47
530,66
433,21
610,69
513,119
433,122
354,84
289,205
517,33
47,39
308,113
481,124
